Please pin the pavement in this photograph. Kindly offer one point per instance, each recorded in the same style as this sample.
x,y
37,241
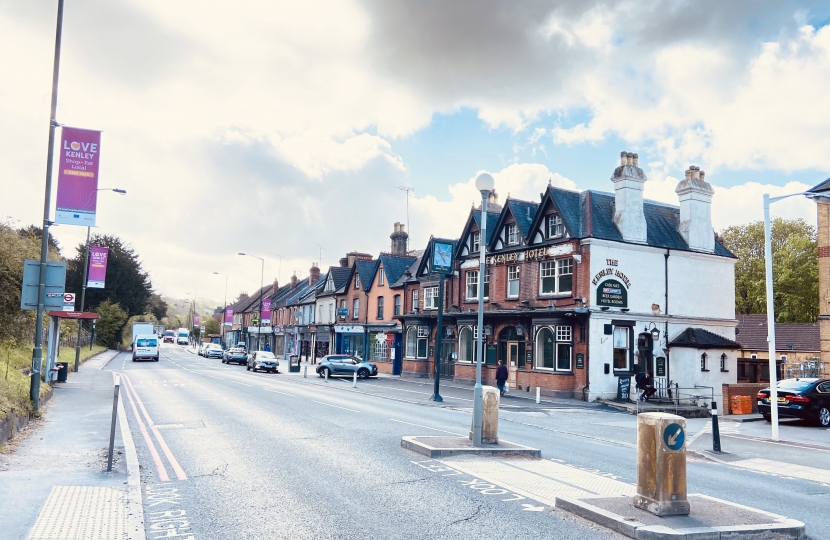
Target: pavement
x,y
226,453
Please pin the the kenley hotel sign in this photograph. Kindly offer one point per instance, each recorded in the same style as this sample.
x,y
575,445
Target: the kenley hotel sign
x,y
612,286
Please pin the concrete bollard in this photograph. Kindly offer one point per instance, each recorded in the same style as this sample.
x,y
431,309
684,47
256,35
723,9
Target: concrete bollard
x,y
490,415
354,380
305,371
538,395
661,464
327,375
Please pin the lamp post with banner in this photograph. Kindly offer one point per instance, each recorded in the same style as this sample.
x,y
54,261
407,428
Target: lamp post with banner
x,y
441,264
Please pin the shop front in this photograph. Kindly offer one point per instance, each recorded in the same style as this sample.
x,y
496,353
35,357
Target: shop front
x,y
348,339
322,341
384,347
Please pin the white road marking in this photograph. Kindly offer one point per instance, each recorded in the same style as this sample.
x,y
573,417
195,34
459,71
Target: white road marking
x,y
782,469
278,392
426,427
335,406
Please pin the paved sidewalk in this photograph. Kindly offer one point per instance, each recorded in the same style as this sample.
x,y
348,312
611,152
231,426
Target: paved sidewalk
x,y
53,482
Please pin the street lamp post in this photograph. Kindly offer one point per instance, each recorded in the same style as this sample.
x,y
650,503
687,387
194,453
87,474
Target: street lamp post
x,y
225,308
773,370
485,184
84,278
261,285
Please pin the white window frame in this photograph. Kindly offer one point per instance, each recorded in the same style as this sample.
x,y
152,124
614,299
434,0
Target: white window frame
x,y
562,336
423,337
514,272
461,345
381,307
556,228
471,288
415,300
379,351
356,308
430,298
512,234
411,342
397,305
380,276
628,331
357,281
555,269
329,285
475,242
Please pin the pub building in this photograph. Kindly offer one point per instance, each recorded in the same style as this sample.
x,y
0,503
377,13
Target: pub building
x,y
582,290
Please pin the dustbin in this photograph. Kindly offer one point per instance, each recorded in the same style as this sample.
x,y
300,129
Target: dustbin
x,y
63,371
293,364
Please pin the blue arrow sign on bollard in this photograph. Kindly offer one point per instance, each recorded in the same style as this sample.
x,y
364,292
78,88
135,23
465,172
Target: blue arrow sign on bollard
x,y
674,436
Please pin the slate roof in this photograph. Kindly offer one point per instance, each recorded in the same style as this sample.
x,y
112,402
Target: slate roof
x,y
492,218
302,287
340,276
252,303
590,214
413,269
699,338
366,270
822,187
752,331
523,212
395,265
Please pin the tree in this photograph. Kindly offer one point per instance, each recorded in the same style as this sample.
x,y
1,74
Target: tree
x,y
157,306
211,325
110,324
794,269
126,283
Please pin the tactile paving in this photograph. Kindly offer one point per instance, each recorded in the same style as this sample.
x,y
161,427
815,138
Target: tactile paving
x,y
81,513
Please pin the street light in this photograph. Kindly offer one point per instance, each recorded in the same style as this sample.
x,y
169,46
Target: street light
x,y
224,309
84,278
773,370
261,285
485,184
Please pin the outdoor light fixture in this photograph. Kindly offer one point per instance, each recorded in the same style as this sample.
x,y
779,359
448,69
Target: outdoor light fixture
x,y
655,332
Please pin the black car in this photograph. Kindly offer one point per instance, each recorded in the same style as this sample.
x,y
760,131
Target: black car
x,y
343,364
808,399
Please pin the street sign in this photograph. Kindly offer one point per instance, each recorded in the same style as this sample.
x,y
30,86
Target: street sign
x,y
55,282
69,301
674,437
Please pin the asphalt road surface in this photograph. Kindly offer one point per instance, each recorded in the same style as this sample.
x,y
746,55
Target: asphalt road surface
x,y
226,453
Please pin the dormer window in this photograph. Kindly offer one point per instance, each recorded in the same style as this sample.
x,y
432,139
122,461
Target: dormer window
x,y
380,276
512,234
329,285
475,242
357,281
555,228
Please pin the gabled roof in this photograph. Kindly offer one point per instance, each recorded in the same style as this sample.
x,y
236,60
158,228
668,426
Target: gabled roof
x,y
413,270
821,188
492,218
752,331
523,213
310,294
395,265
339,276
366,270
298,291
698,338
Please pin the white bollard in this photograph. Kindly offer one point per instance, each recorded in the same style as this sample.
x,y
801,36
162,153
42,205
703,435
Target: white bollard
x,y
354,380
327,375
305,371
538,395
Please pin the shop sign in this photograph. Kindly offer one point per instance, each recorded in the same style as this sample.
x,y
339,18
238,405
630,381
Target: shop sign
x,y
380,337
348,329
580,361
661,366
343,312
623,389
529,357
612,293
514,257
431,351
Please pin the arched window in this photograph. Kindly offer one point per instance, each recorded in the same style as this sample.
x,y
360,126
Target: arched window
x,y
411,342
544,349
465,345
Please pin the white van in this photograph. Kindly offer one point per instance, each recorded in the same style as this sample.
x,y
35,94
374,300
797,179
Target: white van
x,y
146,347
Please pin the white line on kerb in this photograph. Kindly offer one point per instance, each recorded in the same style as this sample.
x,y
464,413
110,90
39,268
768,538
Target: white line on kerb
x,y
335,406
426,427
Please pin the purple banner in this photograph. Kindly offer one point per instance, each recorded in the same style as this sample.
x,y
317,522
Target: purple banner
x,y
229,316
97,267
266,311
78,177
196,320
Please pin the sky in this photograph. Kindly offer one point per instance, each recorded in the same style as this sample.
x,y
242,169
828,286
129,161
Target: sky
x,y
285,129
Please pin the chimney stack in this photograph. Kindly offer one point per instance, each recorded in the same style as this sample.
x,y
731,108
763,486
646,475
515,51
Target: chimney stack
x,y
276,286
399,239
695,224
313,274
243,295
629,180
293,282
344,262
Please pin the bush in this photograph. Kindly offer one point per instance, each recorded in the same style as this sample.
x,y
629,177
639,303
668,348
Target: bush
x,y
110,324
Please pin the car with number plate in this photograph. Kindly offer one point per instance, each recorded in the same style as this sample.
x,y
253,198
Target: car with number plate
x,y
344,364
235,355
264,360
808,399
214,350
146,347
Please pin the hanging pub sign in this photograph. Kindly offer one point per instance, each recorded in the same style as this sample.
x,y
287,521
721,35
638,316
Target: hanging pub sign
x,y
612,293
441,256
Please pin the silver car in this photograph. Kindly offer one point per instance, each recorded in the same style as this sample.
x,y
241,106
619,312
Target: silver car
x,y
264,360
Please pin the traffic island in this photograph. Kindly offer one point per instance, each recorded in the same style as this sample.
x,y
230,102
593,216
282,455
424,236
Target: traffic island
x,y
443,445
709,518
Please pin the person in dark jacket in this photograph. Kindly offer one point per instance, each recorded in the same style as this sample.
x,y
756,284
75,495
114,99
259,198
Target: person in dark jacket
x,y
501,376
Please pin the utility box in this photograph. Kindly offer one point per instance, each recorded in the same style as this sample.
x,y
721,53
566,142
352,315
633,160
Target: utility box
x,y
661,464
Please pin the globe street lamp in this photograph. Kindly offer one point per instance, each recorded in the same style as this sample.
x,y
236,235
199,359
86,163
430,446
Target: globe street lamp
x,y
261,285
84,278
485,184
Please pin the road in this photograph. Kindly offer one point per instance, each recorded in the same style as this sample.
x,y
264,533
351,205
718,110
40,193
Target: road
x,y
226,453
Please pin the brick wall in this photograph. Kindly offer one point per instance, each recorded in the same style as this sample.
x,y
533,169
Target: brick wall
x,y
741,389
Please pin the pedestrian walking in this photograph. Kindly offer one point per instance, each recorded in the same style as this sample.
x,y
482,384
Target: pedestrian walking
x,y
501,376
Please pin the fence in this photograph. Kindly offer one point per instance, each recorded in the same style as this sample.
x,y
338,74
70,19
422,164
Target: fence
x,y
696,396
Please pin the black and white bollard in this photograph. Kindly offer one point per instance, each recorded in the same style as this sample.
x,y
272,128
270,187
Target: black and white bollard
x,y
114,419
715,429
354,380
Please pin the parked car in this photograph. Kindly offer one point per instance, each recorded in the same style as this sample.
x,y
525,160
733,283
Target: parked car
x,y
235,355
202,348
808,399
146,347
343,364
263,360
214,350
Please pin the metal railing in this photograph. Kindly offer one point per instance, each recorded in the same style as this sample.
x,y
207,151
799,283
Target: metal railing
x,y
668,393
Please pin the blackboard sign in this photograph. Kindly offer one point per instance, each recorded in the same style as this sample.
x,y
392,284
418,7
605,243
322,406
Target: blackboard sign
x,y
661,367
490,357
612,293
623,389
580,361
431,351
529,357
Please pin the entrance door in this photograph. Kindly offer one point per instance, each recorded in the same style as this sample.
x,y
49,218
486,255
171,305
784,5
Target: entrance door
x,y
512,362
447,362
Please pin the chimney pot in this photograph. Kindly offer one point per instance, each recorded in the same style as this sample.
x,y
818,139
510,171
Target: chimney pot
x,y
623,159
636,159
695,172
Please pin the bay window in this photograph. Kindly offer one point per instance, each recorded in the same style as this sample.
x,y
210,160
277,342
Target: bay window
x,y
554,348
